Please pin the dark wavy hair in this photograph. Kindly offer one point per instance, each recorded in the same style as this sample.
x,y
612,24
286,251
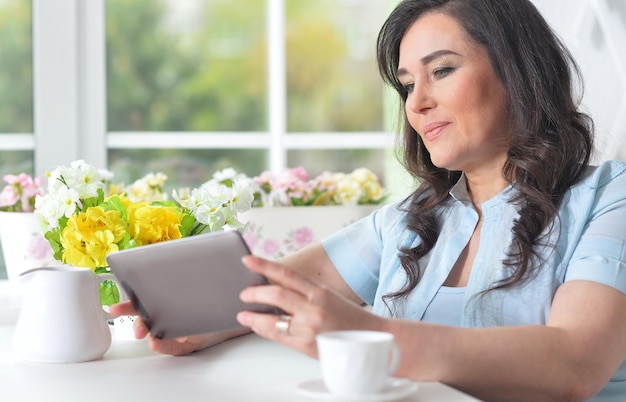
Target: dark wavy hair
x,y
551,143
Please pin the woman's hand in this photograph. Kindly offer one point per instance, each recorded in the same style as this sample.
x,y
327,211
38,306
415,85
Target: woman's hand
x,y
313,308
177,346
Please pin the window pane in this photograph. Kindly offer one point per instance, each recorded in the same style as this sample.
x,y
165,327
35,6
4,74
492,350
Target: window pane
x,y
340,160
16,67
332,77
193,65
16,86
184,168
16,162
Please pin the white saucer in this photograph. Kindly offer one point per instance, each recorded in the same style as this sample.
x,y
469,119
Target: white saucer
x,y
396,388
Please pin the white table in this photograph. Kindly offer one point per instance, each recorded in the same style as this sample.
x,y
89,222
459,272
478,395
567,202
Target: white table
x,y
248,368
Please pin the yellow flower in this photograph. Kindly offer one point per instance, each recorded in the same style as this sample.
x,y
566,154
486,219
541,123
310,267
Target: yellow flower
x,y
373,190
115,188
90,236
153,223
348,192
363,175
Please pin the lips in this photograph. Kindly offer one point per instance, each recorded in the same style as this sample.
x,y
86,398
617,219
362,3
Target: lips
x,y
434,129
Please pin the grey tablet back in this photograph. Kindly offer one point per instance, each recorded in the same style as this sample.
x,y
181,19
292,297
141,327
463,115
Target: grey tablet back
x,y
188,286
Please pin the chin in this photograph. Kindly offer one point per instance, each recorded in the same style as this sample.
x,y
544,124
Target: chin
x,y
443,164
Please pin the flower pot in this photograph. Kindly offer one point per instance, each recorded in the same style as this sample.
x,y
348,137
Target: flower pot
x,y
274,232
23,245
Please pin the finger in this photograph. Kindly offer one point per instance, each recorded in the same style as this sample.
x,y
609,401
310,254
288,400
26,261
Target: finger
x,y
141,329
166,346
279,274
123,308
297,335
262,324
177,346
277,296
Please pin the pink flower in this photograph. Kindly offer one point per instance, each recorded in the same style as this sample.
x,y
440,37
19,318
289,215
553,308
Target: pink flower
x,y
270,247
298,173
20,192
302,237
251,239
8,197
39,248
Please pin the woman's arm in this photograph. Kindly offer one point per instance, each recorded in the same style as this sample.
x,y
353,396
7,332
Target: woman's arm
x,y
570,358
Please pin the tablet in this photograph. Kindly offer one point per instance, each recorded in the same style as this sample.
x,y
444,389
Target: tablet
x,y
188,286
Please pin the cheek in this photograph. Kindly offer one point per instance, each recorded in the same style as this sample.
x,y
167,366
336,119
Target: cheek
x,y
468,93
481,101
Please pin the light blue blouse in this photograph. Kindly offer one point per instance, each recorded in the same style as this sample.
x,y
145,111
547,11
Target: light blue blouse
x,y
591,246
446,307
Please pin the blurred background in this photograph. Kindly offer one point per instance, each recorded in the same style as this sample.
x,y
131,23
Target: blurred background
x,y
188,87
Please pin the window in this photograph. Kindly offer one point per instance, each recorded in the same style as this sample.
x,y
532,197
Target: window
x,y
190,87
266,84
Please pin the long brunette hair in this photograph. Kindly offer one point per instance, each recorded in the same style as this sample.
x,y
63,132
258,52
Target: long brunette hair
x,y
551,143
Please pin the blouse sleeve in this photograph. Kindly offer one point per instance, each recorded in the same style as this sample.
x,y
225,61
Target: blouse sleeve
x,y
600,254
357,249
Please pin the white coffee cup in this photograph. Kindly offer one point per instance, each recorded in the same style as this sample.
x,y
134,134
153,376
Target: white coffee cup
x,y
357,362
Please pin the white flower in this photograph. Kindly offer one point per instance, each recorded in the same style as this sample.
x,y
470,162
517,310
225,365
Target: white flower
x,y
226,174
183,197
81,177
218,202
243,194
52,207
348,191
155,180
148,188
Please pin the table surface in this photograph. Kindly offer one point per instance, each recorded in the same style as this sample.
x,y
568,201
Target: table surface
x,y
248,368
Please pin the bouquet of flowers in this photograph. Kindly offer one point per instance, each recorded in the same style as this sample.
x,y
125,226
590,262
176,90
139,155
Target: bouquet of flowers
x,y
293,187
84,221
20,192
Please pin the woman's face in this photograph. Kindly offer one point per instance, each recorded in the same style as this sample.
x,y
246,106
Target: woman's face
x,y
455,101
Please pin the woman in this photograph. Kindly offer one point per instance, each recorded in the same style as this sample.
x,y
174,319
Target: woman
x,y
504,273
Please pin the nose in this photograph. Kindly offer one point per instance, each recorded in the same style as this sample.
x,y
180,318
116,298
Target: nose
x,y
420,100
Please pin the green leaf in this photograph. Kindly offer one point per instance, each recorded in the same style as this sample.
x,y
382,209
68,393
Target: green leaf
x,y
165,203
115,204
93,201
187,225
54,239
126,242
109,293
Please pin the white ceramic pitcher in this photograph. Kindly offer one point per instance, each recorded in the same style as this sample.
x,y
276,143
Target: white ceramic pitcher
x,y
61,319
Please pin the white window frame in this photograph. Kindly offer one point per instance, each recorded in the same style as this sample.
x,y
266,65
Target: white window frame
x,y
70,97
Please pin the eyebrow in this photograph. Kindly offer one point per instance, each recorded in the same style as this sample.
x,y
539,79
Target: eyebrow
x,y
429,58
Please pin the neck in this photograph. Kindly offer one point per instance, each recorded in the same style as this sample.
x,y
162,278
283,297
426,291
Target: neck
x,y
485,187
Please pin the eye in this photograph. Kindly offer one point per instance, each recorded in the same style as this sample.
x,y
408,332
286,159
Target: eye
x,y
442,72
408,88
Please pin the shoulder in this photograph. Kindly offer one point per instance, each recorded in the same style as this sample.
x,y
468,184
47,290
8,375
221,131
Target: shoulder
x,y
601,186
606,174
390,218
